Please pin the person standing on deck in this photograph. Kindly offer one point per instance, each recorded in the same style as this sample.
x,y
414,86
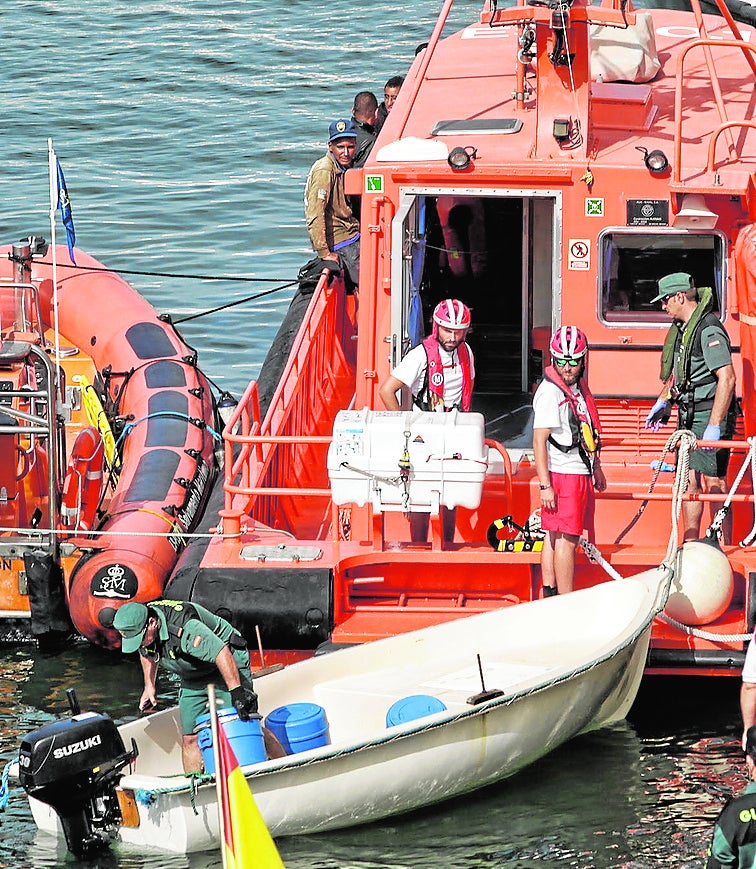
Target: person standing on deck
x,y
390,93
566,445
733,842
363,117
201,648
698,377
440,374
333,229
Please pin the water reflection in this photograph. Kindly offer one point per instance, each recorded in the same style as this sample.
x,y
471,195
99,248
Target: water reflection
x,y
639,795
569,808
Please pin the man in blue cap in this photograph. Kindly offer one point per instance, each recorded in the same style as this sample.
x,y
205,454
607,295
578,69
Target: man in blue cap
x,y
199,646
334,230
698,377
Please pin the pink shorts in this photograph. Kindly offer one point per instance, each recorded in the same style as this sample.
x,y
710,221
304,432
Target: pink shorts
x,y
575,502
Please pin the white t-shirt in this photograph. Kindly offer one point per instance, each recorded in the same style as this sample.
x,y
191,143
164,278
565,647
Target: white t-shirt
x,y
552,410
411,372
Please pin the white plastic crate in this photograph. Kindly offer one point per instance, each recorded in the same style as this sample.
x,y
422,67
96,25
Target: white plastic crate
x,y
447,457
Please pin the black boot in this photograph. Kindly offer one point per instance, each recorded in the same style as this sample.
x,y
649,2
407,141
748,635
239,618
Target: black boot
x,y
550,590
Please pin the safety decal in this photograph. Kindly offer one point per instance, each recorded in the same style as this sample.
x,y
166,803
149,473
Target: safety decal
x,y
594,207
579,254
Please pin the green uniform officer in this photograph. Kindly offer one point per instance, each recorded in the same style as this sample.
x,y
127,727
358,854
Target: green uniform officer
x,y
201,648
734,840
699,378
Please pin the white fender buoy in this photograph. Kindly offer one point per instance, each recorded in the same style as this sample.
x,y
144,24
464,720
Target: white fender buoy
x,y
702,586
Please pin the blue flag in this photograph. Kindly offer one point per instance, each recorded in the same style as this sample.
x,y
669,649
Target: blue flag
x,y
64,203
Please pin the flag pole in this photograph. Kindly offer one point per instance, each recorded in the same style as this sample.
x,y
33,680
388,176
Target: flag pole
x,y
218,776
52,162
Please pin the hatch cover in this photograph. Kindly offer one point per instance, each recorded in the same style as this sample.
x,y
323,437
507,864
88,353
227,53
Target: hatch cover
x,y
477,125
282,552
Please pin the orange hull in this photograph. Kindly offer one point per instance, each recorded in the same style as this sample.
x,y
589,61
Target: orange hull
x,y
162,406
546,169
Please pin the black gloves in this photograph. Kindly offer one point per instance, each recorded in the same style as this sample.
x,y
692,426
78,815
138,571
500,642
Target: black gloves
x,y
245,701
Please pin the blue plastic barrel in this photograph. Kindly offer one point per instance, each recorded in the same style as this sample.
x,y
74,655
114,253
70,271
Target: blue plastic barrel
x,y
410,708
299,726
245,738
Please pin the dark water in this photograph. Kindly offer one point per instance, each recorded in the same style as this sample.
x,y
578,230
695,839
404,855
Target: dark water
x,y
186,129
642,794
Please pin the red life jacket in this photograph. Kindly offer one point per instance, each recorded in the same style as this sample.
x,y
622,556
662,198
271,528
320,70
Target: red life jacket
x,y
431,393
585,428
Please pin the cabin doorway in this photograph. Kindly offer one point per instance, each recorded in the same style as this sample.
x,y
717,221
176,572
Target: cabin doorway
x,y
495,252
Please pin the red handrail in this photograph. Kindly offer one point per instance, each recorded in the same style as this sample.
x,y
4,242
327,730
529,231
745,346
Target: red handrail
x,y
261,454
680,84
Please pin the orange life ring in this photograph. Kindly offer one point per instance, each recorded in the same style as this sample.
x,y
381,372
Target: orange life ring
x,y
83,482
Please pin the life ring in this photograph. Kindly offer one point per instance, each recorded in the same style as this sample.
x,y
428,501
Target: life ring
x,y
23,464
492,535
526,543
83,481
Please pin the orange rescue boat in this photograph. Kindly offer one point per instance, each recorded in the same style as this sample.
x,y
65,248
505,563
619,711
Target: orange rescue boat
x,y
546,164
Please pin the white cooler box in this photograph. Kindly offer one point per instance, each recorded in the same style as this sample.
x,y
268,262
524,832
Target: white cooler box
x,y
448,459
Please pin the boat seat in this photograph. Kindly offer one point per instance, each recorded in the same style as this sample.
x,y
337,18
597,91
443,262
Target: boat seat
x,y
375,696
13,352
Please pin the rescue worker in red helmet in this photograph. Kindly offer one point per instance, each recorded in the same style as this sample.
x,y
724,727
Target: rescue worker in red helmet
x,y
439,374
566,443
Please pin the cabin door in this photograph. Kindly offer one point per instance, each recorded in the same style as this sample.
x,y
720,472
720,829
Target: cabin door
x,y
494,251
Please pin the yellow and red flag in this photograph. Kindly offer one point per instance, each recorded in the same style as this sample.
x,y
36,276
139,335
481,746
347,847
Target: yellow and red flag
x,y
246,842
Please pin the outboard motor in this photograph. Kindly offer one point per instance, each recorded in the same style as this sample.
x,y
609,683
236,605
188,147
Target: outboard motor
x,y
73,765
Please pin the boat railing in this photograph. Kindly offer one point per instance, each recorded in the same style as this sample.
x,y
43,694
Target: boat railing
x,y
277,478
20,309
254,460
26,428
726,125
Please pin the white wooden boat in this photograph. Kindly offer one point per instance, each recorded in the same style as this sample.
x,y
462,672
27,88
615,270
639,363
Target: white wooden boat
x,y
565,665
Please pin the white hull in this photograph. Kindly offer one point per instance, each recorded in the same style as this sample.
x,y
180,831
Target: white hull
x,y
567,665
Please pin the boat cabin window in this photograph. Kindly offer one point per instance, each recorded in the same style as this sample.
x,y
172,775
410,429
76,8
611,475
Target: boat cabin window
x,y
631,263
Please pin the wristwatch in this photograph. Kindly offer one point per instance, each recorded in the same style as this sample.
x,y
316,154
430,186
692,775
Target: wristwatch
x,y
543,488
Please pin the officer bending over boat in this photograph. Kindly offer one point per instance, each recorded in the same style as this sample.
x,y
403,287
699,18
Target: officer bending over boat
x,y
698,377
199,646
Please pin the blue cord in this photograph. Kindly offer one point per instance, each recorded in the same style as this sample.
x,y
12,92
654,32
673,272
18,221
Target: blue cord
x,y
174,414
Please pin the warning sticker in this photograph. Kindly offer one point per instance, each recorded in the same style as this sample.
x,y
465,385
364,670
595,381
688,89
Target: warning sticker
x,y
374,184
579,256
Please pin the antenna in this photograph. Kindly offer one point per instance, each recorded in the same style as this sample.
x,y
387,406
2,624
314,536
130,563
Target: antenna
x,y
483,694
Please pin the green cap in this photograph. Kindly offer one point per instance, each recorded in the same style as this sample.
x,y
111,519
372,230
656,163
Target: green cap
x,y
130,621
679,282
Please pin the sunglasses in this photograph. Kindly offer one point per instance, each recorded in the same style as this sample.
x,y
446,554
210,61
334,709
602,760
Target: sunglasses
x,y
573,363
